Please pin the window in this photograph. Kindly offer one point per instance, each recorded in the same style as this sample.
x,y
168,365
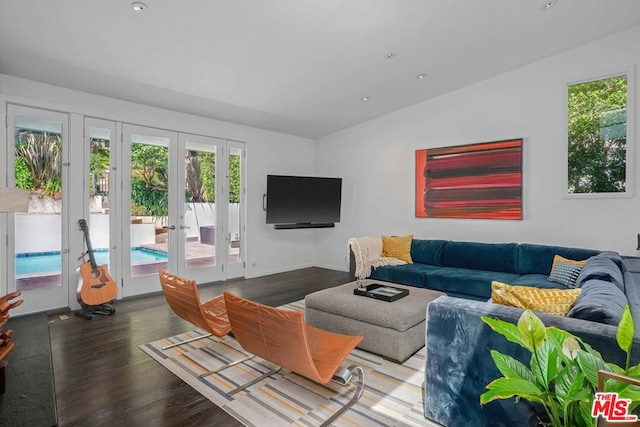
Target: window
x,y
599,157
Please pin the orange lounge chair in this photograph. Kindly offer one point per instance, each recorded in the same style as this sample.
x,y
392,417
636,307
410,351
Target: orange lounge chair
x,y
183,298
282,337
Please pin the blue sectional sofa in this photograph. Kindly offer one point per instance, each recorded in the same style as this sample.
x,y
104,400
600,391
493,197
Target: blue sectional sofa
x,y
457,355
466,269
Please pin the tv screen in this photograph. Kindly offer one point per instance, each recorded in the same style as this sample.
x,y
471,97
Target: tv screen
x,y
303,199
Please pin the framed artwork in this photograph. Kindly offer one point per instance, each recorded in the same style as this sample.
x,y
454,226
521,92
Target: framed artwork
x,y
470,181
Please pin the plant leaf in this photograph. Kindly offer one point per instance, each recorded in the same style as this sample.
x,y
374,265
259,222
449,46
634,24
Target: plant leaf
x,y
504,388
506,329
532,330
570,385
544,363
590,365
510,367
625,332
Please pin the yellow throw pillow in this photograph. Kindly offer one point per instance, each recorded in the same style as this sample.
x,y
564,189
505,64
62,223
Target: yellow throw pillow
x,y
397,247
552,301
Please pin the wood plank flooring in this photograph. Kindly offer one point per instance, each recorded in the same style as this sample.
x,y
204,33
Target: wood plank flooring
x,y
102,377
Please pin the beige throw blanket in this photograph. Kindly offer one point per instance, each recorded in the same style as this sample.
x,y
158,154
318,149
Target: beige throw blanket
x,y
368,253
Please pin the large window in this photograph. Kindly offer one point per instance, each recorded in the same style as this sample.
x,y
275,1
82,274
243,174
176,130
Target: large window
x,y
599,159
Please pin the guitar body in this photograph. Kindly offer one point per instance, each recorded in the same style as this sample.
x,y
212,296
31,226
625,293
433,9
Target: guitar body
x,y
96,286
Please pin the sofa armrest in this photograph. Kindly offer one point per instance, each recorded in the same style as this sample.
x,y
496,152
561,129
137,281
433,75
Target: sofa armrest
x,y
459,364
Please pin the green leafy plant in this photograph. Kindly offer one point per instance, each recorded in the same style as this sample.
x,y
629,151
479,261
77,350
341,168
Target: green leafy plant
x,y
42,155
563,372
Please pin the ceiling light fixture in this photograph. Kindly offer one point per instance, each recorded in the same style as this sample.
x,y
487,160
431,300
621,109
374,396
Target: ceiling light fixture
x,y
364,98
139,7
390,55
421,76
548,5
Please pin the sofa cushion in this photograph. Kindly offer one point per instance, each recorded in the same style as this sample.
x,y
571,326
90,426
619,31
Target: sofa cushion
x,y
398,247
537,280
601,268
465,281
481,256
537,259
565,271
553,301
408,274
600,301
427,251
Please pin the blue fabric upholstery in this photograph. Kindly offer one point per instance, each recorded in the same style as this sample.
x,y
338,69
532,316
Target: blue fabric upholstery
x,y
466,281
481,256
601,267
537,280
537,259
459,364
427,251
600,301
409,274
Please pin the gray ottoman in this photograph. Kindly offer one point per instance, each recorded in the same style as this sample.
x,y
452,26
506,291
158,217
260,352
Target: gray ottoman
x,y
394,330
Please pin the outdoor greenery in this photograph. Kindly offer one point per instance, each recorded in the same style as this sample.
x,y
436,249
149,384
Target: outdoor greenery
x,y
38,168
38,163
563,371
149,179
597,113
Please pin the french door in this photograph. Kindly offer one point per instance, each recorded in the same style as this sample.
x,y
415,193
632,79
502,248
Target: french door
x,y
37,250
177,213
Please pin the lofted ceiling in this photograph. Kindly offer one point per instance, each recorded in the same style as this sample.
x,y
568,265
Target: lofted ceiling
x,y
299,67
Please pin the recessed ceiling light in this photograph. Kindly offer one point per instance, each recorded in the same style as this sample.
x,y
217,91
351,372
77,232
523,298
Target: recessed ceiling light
x,y
547,5
421,76
390,55
364,98
139,7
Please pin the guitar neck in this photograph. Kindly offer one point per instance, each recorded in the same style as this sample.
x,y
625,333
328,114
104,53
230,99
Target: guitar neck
x,y
92,258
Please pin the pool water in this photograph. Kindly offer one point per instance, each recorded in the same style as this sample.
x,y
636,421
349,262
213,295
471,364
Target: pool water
x,y
50,262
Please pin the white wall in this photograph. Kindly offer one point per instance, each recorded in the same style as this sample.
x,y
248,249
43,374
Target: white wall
x,y
268,251
376,159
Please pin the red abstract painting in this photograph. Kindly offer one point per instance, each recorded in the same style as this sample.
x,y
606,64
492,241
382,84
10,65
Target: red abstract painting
x,y
470,181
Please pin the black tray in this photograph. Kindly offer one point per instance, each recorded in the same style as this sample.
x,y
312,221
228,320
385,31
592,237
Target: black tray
x,y
381,292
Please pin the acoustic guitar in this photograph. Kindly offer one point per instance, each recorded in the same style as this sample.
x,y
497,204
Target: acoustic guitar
x,y
96,286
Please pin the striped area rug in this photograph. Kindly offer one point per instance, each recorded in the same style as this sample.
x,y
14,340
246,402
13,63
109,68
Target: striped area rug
x,y
392,395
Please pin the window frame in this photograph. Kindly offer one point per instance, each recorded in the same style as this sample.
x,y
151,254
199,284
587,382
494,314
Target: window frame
x,y
630,73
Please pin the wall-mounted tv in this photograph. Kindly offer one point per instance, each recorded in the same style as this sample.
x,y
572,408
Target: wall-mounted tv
x,y
303,201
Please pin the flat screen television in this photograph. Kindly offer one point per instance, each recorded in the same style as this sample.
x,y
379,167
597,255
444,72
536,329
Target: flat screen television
x,y
303,201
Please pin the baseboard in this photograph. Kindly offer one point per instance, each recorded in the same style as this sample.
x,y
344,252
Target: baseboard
x,y
332,267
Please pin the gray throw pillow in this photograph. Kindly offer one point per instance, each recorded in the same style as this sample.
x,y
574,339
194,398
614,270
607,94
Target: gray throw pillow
x,y
600,301
602,268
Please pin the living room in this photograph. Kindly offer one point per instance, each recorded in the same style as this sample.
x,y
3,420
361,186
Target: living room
x,y
375,157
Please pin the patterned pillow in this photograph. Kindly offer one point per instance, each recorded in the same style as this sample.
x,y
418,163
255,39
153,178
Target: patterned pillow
x,y
552,301
397,247
565,271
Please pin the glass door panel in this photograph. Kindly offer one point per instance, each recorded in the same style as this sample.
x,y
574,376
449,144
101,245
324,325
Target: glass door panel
x,y
148,170
101,191
36,152
235,207
198,214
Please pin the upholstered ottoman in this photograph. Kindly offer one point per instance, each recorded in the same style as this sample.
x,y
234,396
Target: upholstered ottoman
x,y
394,330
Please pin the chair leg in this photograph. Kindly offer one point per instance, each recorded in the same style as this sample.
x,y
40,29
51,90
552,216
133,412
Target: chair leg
x,y
186,341
357,395
253,381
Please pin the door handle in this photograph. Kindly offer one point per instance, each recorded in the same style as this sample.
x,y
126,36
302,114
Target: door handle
x,y
183,227
171,227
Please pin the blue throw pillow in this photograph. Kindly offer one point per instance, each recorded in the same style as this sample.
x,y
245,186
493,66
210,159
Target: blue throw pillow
x,y
600,301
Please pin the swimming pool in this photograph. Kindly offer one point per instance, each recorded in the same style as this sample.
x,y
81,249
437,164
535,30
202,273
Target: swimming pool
x,y
50,262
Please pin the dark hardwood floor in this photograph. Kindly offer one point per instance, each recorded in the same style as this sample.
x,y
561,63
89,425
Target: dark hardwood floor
x,y
102,377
